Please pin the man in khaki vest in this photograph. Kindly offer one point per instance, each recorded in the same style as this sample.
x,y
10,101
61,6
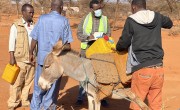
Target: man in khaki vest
x,y
92,26
19,41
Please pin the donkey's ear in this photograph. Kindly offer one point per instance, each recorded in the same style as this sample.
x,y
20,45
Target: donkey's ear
x,y
48,60
57,48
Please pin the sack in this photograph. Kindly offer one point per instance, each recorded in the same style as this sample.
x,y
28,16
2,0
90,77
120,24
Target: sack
x,y
10,73
120,59
105,69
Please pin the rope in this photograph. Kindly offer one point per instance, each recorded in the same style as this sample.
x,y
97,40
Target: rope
x,y
123,96
87,79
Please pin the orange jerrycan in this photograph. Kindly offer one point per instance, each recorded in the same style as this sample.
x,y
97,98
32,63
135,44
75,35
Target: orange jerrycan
x,y
10,73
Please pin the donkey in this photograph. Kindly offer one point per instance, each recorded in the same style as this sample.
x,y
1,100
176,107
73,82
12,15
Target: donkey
x,y
58,62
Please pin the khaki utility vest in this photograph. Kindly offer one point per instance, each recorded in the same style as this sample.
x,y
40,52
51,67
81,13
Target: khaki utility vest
x,y
22,42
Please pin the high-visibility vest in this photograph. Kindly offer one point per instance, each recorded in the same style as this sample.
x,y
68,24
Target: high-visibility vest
x,y
88,24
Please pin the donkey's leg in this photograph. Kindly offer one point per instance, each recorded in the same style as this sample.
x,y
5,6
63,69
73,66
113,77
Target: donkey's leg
x,y
123,93
118,94
92,98
137,100
97,105
89,91
91,104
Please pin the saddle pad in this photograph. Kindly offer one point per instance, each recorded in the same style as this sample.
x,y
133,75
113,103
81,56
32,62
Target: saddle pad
x,y
105,68
104,91
120,59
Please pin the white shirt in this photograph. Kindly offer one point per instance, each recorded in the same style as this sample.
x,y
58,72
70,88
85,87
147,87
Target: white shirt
x,y
13,35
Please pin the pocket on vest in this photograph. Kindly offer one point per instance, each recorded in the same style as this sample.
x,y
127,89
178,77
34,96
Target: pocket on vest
x,y
19,52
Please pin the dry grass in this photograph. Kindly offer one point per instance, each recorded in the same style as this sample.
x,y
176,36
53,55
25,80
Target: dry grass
x,y
4,6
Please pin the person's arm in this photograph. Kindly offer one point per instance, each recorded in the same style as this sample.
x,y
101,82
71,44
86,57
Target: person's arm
x,y
12,43
125,40
33,46
34,34
67,36
80,34
31,52
166,22
12,58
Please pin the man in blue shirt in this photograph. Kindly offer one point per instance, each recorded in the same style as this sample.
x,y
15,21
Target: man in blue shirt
x,y
48,30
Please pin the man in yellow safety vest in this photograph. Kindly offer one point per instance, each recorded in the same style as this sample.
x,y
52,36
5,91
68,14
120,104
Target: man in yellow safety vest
x,y
93,26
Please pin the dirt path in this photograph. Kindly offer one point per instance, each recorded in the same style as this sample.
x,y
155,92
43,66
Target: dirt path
x,y
69,87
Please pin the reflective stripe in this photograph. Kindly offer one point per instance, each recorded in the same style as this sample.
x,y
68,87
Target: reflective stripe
x,y
104,18
84,45
103,25
85,24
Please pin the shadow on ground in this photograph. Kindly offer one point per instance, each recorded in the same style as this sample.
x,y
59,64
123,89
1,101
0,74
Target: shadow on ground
x,y
68,98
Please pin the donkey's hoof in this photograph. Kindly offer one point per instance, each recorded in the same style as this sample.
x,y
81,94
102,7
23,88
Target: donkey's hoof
x,y
79,103
104,103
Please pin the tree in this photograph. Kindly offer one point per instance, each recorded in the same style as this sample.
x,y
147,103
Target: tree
x,y
129,1
173,6
42,7
32,2
170,5
17,7
115,14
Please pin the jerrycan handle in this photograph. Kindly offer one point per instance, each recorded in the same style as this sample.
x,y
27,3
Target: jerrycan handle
x,y
14,66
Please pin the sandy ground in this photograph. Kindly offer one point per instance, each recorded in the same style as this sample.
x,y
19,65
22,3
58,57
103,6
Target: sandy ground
x,y
69,87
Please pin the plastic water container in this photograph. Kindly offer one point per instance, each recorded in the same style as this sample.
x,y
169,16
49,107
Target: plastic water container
x,y
10,73
100,46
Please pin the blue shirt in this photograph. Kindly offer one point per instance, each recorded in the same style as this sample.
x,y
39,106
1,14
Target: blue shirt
x,y
48,30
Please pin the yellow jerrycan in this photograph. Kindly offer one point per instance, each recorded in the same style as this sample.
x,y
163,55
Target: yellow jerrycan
x,y
101,46
10,73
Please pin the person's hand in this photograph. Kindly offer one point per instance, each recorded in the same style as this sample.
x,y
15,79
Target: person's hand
x,y
12,61
31,59
114,49
67,47
91,37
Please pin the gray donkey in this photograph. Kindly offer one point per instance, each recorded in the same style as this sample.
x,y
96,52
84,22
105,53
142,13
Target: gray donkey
x,y
58,62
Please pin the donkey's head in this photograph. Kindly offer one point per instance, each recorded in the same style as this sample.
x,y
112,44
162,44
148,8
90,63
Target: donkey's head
x,y
52,68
